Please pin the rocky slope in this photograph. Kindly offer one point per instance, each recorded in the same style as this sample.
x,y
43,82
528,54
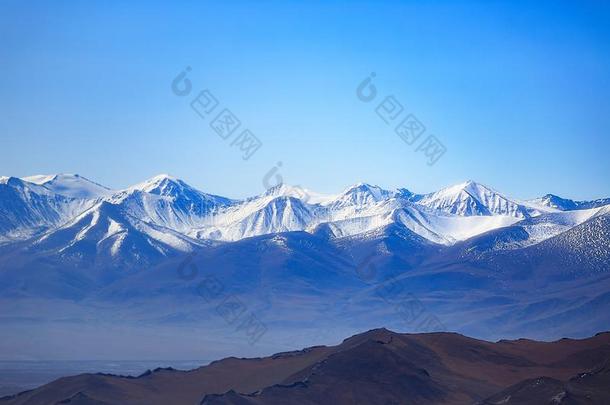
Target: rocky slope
x,y
376,367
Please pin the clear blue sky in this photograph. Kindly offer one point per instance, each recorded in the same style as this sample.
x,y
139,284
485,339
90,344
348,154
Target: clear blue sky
x,y
519,92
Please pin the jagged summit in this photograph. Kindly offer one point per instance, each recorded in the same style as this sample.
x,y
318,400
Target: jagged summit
x,y
472,198
361,194
446,216
361,187
162,184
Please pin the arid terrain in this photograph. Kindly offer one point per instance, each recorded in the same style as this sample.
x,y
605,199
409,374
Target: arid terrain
x,y
375,367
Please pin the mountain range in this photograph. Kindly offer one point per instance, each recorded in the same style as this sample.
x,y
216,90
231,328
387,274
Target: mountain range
x,y
166,214
83,259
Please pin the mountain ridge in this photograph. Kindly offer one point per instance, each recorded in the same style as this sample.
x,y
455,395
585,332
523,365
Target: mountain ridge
x,y
36,207
371,367
169,202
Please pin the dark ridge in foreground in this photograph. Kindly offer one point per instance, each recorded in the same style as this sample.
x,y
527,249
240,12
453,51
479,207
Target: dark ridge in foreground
x,y
375,367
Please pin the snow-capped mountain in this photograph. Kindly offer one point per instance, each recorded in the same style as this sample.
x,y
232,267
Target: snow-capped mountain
x,y
360,195
582,248
532,231
303,194
72,218
565,204
27,209
169,202
471,198
182,195
106,232
258,216
47,206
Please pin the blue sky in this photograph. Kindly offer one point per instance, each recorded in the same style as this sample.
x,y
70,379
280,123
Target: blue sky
x,y
516,91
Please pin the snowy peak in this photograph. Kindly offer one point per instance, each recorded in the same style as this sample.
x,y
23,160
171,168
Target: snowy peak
x,y
174,196
18,183
376,192
362,194
163,184
266,214
472,198
284,190
406,194
565,204
281,214
164,204
28,208
554,201
70,185
169,186
107,232
301,193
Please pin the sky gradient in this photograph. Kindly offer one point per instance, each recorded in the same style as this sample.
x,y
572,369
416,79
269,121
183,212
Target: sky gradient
x,y
517,92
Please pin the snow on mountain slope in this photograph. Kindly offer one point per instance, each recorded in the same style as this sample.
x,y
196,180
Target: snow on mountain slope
x,y
531,231
70,185
565,204
580,251
458,228
168,202
182,195
471,198
358,196
447,229
549,225
27,209
106,232
600,202
445,217
553,201
582,248
303,194
360,209
258,216
435,226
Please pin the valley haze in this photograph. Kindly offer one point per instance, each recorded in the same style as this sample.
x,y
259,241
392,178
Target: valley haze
x,y
161,270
